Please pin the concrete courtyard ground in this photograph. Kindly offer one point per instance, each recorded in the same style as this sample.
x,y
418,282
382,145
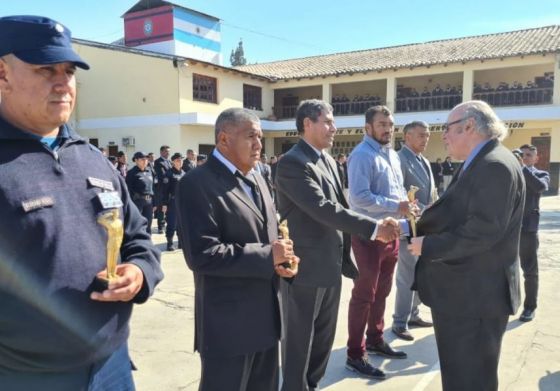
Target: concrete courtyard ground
x,y
161,342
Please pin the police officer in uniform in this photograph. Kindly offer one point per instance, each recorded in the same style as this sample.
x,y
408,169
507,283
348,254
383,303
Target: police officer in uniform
x,y
140,183
171,180
57,333
161,166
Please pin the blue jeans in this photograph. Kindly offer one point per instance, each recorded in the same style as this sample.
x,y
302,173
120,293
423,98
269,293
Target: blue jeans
x,y
113,373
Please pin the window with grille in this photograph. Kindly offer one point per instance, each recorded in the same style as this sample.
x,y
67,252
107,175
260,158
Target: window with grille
x,y
205,89
252,97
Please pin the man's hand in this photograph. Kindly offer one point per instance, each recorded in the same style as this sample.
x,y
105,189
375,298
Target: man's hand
x,y
415,246
125,287
405,207
283,252
387,230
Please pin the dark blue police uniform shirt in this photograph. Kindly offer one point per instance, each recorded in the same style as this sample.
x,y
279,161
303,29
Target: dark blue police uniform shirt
x,y
51,249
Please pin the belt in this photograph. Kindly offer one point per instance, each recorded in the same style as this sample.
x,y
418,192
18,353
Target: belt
x,y
146,197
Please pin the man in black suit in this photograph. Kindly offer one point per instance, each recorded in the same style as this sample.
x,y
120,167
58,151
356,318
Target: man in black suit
x,y
468,270
190,162
342,168
310,197
161,166
264,169
537,182
229,233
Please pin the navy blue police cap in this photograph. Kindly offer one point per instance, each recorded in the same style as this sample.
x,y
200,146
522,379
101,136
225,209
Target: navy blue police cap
x,y
139,155
37,40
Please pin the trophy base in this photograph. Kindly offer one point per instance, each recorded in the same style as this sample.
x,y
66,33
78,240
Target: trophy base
x,y
100,284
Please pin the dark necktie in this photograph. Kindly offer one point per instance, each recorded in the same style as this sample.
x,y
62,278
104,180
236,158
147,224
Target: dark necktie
x,y
332,175
424,165
254,190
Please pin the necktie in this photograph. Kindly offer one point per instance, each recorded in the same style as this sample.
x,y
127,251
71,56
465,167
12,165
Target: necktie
x,y
332,175
424,165
254,189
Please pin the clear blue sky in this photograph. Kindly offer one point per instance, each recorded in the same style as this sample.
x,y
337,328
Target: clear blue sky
x,y
277,30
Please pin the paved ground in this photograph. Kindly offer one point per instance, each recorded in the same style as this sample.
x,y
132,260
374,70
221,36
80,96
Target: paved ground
x,y
162,334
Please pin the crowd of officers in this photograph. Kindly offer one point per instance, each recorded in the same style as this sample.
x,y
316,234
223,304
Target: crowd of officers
x,y
342,105
538,91
152,185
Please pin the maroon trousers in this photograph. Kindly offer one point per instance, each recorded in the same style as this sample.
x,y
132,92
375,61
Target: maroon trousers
x,y
376,262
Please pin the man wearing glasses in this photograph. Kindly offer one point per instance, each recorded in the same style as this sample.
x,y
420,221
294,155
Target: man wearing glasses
x,y
468,244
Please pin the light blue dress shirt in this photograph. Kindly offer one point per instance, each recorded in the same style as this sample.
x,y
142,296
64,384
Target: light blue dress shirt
x,y
375,181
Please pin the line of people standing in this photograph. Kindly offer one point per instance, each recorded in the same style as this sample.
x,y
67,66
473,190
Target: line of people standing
x,y
152,186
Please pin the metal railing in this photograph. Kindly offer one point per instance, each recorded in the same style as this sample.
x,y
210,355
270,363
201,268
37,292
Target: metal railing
x,y
427,103
517,97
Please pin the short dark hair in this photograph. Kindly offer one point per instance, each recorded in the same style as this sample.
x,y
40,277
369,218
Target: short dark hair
x,y
120,154
411,125
370,113
530,147
233,117
163,147
312,109
340,156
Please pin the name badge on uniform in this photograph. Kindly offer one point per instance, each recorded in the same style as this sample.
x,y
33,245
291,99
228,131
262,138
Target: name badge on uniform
x,y
110,200
38,203
100,183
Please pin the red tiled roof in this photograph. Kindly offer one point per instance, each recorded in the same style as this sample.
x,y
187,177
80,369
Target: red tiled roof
x,y
509,44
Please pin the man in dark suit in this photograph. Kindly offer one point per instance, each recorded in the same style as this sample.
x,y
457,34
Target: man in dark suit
x,y
264,169
537,182
468,270
310,197
161,166
190,162
447,171
229,233
342,168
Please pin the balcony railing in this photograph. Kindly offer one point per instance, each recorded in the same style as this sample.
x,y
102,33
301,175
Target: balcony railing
x,y
283,112
427,103
517,97
355,107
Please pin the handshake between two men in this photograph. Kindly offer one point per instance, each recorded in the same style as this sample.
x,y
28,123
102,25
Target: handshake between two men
x,y
389,228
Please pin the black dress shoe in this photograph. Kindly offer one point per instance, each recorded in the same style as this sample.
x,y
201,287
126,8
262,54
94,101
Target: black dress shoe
x,y
527,315
363,367
419,322
383,349
402,333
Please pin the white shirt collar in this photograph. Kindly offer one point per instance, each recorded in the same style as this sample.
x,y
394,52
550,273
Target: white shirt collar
x,y
230,166
317,151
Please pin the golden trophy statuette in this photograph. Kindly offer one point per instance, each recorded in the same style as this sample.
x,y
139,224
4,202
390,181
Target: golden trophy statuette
x,y
411,217
285,234
113,224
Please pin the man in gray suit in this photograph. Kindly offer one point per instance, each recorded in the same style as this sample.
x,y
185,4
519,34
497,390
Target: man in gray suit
x,y
468,270
416,172
229,233
310,197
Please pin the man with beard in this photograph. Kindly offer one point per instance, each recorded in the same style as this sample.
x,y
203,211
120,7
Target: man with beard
x,y
376,189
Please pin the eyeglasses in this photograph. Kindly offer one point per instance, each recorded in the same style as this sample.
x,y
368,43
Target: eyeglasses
x,y
446,126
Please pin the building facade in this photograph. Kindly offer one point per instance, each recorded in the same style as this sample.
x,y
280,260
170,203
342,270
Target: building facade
x,y
138,100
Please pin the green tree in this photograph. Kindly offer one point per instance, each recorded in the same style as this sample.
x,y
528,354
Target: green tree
x,y
237,57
